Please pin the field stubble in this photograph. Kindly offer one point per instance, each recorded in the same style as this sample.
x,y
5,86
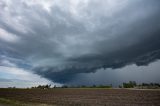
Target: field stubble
x,y
84,97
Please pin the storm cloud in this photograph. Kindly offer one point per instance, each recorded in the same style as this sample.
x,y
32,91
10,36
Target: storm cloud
x,y
59,40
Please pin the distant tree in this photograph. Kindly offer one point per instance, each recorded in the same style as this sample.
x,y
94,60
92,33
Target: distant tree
x,y
12,87
55,86
145,84
83,86
94,86
133,83
43,86
47,86
130,84
64,86
156,84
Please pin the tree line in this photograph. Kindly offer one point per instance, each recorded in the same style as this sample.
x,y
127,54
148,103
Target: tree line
x,y
130,84
133,84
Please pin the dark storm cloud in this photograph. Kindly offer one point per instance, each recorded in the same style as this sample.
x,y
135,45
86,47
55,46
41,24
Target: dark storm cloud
x,y
59,40
116,77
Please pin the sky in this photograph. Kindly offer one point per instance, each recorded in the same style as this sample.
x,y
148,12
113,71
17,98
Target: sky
x,y
79,42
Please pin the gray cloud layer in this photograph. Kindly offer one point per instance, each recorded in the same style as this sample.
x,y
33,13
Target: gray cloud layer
x,y
59,40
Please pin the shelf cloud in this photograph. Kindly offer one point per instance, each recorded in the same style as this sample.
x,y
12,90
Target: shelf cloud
x,y
59,40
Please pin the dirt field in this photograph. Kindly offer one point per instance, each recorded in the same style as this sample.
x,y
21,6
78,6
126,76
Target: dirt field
x,y
84,97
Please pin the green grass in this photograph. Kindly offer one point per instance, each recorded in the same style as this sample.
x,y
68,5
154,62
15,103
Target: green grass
x,y
9,102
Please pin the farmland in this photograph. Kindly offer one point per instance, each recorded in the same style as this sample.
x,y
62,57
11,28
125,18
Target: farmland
x,y
83,96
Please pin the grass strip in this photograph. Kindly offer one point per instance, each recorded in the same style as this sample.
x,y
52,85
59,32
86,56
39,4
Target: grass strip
x,y
8,102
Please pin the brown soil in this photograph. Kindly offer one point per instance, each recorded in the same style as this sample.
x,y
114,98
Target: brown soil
x,y
85,97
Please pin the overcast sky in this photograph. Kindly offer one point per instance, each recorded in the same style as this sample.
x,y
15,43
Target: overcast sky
x,y
79,42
